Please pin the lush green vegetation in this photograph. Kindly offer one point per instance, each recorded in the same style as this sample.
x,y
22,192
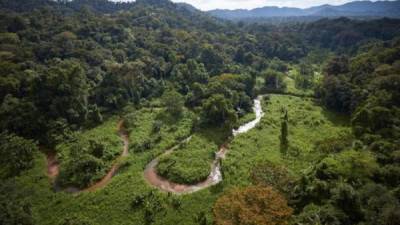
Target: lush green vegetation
x,y
326,151
16,154
88,155
154,129
308,124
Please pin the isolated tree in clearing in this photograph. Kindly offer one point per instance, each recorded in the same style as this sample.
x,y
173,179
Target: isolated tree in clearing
x,y
284,133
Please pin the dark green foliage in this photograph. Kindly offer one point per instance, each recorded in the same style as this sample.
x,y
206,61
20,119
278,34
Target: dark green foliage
x,y
19,116
333,191
94,115
66,83
80,172
130,121
176,202
335,144
325,215
87,156
16,154
157,125
217,111
337,65
77,220
390,174
336,94
201,218
269,174
14,208
344,197
96,148
58,131
138,201
173,102
274,80
153,204
381,207
143,145
189,74
305,78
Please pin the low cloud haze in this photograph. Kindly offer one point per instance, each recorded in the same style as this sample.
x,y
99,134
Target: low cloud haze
x,y
250,4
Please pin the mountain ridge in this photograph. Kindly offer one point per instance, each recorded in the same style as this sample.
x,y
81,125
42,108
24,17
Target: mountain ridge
x,y
351,9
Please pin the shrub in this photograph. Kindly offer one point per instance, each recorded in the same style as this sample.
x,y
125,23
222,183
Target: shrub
x,y
252,205
130,121
138,201
351,165
335,144
14,207
380,205
269,174
325,215
16,154
143,146
156,127
81,171
77,220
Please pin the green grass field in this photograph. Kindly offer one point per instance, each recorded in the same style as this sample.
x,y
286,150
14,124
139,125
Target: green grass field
x,y
112,205
308,124
156,131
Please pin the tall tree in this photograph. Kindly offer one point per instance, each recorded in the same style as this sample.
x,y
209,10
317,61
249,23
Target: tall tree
x,y
173,102
284,133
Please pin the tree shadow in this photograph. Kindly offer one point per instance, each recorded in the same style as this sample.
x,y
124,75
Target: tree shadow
x,y
216,135
340,119
167,118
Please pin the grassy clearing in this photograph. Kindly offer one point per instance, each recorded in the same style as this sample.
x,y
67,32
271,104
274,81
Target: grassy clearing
x,y
156,131
191,162
308,124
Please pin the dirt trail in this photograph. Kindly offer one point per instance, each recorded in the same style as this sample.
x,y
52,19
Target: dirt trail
x,y
106,179
53,166
215,176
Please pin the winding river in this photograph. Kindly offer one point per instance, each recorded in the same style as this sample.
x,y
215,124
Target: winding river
x,y
215,176
150,173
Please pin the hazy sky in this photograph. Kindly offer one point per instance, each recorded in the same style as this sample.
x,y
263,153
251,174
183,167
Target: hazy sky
x,y
250,4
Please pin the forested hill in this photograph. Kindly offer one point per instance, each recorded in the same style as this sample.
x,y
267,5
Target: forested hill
x,y
44,44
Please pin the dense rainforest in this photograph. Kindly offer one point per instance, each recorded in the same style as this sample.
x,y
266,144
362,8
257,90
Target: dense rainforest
x,y
172,82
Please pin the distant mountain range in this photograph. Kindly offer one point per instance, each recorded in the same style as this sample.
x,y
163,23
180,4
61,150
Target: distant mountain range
x,y
352,9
